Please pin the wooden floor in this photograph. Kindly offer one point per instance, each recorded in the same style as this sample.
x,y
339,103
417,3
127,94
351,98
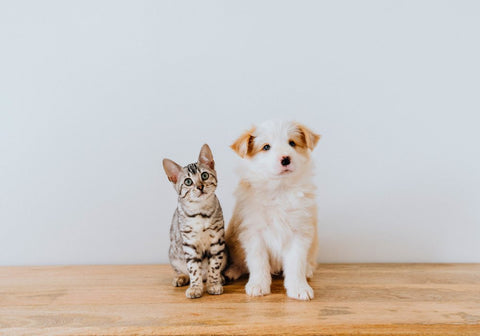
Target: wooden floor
x,y
360,299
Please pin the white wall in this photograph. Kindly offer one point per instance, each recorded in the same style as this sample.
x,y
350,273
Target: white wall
x,y
93,95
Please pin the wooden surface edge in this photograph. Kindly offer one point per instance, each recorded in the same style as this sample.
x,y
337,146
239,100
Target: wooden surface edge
x,y
325,330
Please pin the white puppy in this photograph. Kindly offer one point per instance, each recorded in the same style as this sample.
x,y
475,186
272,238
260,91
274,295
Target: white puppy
x,y
274,223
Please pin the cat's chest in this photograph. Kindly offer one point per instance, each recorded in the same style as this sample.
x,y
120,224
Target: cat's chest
x,y
199,233
198,224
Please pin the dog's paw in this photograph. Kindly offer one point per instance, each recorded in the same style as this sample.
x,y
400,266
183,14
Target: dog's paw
x,y
257,289
310,269
301,291
194,292
232,273
180,280
309,272
215,289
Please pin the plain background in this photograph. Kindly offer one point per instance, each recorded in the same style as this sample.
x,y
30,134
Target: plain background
x,y
93,94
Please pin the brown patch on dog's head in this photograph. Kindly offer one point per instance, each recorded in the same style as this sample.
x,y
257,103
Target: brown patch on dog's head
x,y
243,146
304,138
257,147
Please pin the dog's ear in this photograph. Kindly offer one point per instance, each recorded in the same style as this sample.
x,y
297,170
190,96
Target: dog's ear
x,y
172,170
310,138
206,157
244,144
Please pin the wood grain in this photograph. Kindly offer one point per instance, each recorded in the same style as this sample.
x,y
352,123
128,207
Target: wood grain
x,y
361,299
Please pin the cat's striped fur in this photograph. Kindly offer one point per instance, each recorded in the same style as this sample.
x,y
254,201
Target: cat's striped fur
x,y
197,243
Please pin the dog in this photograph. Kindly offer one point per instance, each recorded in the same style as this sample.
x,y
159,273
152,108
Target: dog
x,y
273,228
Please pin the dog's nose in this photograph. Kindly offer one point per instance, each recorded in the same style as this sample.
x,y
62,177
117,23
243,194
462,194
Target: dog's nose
x,y
200,187
285,161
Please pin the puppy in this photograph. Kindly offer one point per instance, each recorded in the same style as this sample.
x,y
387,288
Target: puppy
x,y
274,223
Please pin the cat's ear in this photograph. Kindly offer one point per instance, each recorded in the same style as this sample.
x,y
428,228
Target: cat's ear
x,y
244,144
172,170
206,157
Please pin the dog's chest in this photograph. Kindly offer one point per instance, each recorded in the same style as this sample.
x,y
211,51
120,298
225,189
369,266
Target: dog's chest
x,y
283,215
284,206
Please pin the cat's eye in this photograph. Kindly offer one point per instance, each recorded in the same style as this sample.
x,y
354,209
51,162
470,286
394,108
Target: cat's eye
x,y
188,182
266,147
292,143
205,176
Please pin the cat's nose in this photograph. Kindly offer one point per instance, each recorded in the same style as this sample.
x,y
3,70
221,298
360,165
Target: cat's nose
x,y
200,187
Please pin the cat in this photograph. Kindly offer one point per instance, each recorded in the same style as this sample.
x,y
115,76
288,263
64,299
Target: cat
x,y
197,243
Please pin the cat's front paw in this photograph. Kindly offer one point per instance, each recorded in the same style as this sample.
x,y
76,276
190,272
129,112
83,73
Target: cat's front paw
x,y
215,289
300,291
180,280
257,288
194,292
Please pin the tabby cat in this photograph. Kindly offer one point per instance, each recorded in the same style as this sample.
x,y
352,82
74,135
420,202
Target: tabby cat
x,y
197,243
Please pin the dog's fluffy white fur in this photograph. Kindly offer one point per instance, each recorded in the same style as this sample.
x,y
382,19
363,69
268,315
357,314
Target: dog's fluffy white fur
x,y
274,224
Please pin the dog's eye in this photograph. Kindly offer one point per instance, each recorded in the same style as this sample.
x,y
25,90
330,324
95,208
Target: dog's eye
x,y
188,182
205,176
266,147
292,143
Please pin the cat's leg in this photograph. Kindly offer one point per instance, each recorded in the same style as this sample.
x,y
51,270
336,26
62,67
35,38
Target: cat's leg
x,y
214,278
177,260
193,258
196,283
